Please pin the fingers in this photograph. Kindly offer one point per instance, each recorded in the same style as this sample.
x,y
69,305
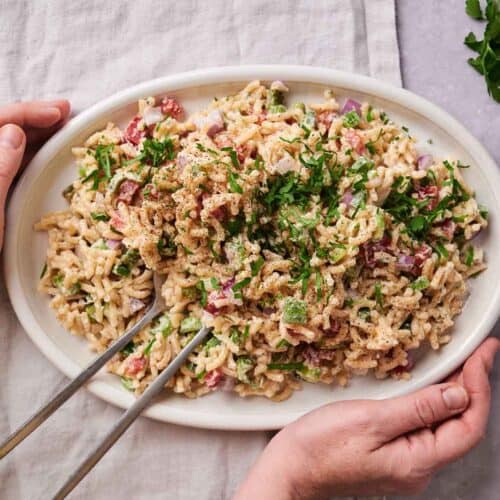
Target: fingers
x,y
420,410
12,145
35,114
456,437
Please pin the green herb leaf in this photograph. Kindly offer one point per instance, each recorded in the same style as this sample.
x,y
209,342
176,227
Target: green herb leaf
x,y
257,265
147,350
241,284
469,256
473,9
203,292
420,283
379,297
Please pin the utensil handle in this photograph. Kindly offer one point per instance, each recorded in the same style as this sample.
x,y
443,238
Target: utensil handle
x,y
62,396
130,415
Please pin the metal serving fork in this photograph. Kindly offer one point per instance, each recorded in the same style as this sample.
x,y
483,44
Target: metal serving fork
x,y
156,307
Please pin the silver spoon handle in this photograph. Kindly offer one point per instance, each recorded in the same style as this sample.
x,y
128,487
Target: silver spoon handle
x,y
130,415
62,396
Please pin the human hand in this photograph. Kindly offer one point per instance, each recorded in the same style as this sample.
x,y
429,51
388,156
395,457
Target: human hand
x,y
377,447
24,127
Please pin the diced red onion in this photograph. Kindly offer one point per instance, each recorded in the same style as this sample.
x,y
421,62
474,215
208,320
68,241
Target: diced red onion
x,y
152,116
215,123
227,384
347,198
424,162
351,105
405,263
228,285
113,244
136,305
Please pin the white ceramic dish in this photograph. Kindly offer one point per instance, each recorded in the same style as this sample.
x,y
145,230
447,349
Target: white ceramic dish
x,y
39,191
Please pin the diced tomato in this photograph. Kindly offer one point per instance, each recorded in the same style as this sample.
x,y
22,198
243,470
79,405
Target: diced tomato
x,y
117,222
220,213
149,191
136,365
421,255
431,193
169,106
325,118
448,227
132,132
261,116
127,190
334,328
355,140
213,378
222,140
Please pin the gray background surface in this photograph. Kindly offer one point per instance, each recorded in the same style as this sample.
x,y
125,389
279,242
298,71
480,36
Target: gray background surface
x,y
434,65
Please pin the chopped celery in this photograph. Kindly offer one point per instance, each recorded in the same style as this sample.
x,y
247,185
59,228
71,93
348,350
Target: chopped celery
x,y
294,311
190,324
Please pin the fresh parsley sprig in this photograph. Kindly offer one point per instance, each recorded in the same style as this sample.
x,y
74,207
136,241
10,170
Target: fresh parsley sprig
x,y
487,63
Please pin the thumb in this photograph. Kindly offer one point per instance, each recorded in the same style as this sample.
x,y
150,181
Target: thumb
x,y
421,409
12,144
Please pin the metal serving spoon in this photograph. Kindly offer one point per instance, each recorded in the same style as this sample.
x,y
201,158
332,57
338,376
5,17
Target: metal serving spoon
x,y
156,307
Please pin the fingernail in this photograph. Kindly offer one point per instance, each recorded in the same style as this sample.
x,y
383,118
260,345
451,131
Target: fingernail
x,y
50,113
11,136
455,398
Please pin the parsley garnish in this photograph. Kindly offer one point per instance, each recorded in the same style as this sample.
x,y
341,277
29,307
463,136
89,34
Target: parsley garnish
x,y
487,63
257,265
241,284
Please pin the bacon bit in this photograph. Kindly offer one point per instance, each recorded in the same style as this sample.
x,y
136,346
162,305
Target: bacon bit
x,y
136,365
213,378
325,118
222,141
311,356
117,222
431,193
127,190
269,310
169,106
132,132
448,227
314,356
220,213
262,116
151,191
400,370
334,328
367,250
355,140
241,152
421,255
